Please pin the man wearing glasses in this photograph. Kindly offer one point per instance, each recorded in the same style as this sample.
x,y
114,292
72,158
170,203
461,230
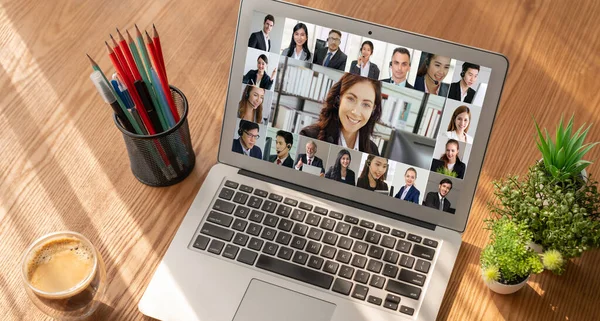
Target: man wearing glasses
x,y
245,144
331,56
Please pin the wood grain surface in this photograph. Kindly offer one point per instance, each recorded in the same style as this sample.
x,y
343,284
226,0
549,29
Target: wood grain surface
x,y
63,164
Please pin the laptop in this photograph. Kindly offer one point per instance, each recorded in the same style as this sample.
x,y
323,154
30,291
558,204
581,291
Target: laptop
x,y
315,170
263,241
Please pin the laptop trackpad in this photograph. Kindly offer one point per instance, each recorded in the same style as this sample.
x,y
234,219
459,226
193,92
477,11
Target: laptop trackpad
x,y
266,302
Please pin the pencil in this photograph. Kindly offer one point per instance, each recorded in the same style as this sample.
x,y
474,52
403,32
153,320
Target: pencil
x,y
164,84
159,52
128,57
121,58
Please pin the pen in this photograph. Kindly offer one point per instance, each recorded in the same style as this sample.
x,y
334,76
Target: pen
x,y
106,94
123,92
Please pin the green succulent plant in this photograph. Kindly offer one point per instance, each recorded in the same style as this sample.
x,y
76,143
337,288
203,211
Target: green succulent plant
x,y
563,157
447,172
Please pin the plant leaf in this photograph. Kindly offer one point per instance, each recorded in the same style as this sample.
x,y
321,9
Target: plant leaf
x,y
560,158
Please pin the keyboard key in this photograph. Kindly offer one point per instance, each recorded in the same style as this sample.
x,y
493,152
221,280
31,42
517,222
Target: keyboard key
x,y
391,256
403,246
377,281
330,238
283,238
226,193
256,243
254,229
246,188
328,251
390,270
407,310
398,233
351,219
216,246
256,216
300,257
411,277
230,251
362,276
300,229
216,231
218,218
223,206
331,267
328,224
231,184
342,286
283,210
422,266
336,215
268,234
315,234
343,256
275,197
359,261
373,237
346,272
403,289
255,202
270,248
285,225
298,215
358,232
342,228
390,305
201,242
414,238
294,271
382,229
313,219
367,224
320,210
423,252
431,243
374,266
407,261
375,251
269,206
241,211
260,192
305,206
240,198
392,298
313,247
315,262
285,253
298,242
388,241
290,201
271,220
360,292
374,300
360,247
239,225
247,256
241,239
345,243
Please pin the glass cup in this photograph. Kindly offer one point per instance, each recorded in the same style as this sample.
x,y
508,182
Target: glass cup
x,y
85,295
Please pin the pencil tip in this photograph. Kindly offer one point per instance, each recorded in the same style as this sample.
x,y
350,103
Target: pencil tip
x,y
111,37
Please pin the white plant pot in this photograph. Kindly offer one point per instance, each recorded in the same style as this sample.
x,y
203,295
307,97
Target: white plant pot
x,y
501,288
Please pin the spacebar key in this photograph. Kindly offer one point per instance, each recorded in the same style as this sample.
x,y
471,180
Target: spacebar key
x,y
294,271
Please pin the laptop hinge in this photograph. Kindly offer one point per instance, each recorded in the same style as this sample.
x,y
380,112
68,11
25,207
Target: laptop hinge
x,y
338,199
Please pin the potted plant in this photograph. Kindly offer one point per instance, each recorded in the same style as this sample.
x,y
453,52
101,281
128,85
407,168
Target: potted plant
x,y
559,205
507,261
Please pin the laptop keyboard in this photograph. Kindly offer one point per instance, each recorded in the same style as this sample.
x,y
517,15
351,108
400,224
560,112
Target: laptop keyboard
x,y
357,258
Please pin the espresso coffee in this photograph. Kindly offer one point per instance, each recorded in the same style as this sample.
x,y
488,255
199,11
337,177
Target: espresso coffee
x,y
60,270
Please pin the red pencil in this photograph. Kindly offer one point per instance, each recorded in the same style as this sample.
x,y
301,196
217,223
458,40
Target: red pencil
x,y
159,52
161,78
120,57
130,61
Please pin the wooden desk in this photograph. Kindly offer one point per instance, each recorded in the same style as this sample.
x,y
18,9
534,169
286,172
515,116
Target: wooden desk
x,y
64,166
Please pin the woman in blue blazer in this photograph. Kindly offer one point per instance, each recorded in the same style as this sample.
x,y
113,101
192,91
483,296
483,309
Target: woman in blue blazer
x,y
413,193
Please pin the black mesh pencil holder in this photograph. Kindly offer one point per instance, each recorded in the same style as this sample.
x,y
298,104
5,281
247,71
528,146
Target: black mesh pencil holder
x,y
166,158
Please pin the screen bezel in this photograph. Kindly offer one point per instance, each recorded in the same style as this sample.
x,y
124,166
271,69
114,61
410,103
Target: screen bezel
x,y
497,62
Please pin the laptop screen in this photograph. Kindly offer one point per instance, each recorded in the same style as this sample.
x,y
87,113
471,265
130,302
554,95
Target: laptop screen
x,y
378,116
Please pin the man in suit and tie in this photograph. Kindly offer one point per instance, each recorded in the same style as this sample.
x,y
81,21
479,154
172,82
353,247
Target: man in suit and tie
x,y
399,67
283,145
331,56
438,199
309,158
245,144
461,90
260,40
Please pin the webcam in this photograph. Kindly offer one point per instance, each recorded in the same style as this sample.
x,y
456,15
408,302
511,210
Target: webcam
x,y
370,32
